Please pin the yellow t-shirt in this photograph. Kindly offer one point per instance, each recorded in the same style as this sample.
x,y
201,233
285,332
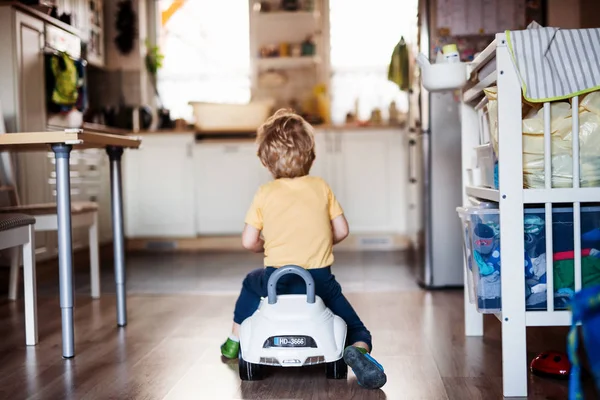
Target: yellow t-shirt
x,y
295,216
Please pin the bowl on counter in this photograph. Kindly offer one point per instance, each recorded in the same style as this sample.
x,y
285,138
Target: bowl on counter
x,y
231,117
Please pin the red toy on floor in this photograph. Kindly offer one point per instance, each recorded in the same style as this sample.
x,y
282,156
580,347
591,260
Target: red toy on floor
x,y
551,363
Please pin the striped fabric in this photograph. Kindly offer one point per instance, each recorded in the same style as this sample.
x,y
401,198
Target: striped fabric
x,y
554,63
11,221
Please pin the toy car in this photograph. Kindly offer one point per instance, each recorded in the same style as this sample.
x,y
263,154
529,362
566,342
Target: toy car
x,y
292,331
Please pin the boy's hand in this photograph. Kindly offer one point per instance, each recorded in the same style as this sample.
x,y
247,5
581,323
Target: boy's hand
x,y
251,239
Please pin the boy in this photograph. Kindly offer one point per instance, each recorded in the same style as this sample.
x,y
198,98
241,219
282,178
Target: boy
x,y
300,220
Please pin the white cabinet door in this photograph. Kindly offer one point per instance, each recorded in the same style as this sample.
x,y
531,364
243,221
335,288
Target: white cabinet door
x,y
158,183
227,176
370,181
323,148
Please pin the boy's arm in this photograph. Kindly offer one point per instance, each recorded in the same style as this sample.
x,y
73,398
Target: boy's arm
x,y
251,239
339,224
340,228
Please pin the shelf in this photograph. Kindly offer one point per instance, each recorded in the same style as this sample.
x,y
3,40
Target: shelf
x,y
541,196
477,91
545,318
287,62
287,15
561,195
483,193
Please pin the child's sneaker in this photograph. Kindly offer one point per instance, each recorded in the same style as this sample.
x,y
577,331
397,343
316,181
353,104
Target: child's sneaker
x,y
369,372
230,348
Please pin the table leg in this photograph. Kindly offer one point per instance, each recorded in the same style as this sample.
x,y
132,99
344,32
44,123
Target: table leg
x,y
115,154
65,251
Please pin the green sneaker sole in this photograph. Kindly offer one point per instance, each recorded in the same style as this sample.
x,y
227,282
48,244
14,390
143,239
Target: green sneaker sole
x,y
230,349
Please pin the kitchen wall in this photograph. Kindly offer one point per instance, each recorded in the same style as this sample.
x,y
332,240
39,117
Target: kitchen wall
x,y
573,14
124,77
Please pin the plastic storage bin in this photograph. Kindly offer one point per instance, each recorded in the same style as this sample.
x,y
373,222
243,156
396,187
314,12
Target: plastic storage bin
x,y
484,241
564,256
464,214
468,254
484,230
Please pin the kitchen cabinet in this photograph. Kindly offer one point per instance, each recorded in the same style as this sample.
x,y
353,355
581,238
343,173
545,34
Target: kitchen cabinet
x,y
366,170
227,175
87,16
176,187
28,109
23,106
159,187
93,28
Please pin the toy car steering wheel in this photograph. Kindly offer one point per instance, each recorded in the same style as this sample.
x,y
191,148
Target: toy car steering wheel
x,y
291,269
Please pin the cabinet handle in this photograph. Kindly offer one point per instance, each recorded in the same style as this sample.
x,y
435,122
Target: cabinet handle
x,y
411,161
190,150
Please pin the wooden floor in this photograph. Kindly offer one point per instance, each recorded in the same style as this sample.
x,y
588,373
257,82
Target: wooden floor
x,y
170,349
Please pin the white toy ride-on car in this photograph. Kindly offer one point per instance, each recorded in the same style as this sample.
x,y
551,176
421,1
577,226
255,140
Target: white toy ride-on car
x,y
292,331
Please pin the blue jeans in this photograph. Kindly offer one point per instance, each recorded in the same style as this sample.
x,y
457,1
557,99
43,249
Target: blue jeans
x,y
326,287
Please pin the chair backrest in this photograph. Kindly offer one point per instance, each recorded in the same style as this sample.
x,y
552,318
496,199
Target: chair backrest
x,y
8,182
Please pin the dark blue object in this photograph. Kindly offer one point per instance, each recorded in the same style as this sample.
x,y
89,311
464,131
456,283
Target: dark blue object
x,y
585,307
496,178
592,236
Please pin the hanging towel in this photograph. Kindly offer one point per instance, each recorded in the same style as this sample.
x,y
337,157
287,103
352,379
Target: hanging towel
x,y
65,91
398,71
555,64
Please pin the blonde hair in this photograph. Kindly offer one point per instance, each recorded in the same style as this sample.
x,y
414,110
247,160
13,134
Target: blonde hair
x,y
286,145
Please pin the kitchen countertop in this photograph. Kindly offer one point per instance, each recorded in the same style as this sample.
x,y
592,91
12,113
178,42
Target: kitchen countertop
x,y
229,135
233,134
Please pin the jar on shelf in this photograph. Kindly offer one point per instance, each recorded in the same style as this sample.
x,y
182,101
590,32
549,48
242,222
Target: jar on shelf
x,y
308,47
296,50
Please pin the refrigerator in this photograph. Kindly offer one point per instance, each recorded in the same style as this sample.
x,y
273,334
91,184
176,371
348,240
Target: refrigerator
x,y
435,183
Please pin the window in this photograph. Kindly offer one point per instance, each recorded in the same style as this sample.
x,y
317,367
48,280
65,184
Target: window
x,y
206,46
363,36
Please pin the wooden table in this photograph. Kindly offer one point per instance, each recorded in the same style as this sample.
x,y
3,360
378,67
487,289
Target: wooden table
x,y
61,143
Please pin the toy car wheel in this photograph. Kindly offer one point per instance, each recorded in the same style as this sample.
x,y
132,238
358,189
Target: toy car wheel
x,y
249,371
337,369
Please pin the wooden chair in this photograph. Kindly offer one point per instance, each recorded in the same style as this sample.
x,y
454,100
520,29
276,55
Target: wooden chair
x,y
18,230
84,215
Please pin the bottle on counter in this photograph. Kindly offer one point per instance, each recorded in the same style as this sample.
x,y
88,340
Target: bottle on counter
x,y
376,117
450,52
393,118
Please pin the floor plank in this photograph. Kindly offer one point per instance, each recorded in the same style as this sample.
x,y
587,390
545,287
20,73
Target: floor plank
x,y
170,347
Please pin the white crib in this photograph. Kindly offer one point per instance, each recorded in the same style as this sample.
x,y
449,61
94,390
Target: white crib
x,y
512,198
